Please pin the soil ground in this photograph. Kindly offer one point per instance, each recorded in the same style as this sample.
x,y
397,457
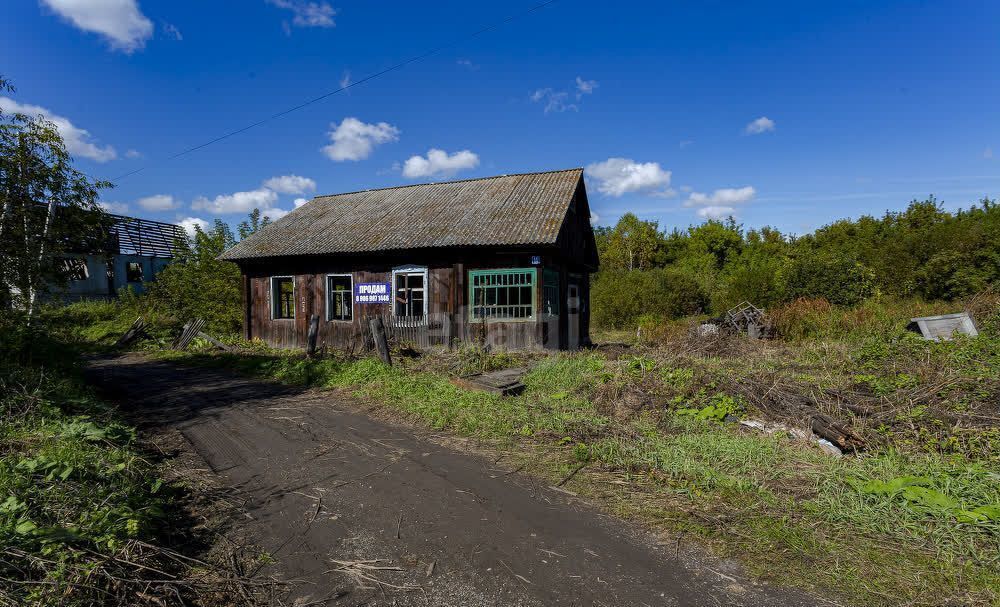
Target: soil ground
x,y
324,484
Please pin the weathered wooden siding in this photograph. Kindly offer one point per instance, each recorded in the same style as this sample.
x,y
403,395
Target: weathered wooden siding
x,y
448,321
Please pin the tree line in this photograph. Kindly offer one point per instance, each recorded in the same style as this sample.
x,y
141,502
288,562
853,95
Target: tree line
x,y
922,252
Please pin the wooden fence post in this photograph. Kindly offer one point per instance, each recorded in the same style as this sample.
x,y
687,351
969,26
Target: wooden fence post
x,y
313,335
378,336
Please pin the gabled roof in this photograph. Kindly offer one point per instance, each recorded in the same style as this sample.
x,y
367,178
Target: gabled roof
x,y
525,209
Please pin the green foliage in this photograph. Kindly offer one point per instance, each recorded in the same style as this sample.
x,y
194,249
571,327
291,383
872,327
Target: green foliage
x,y
632,244
47,209
922,252
619,299
199,285
76,491
719,407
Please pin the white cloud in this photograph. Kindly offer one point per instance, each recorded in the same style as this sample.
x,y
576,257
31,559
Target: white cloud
x,y
685,143
555,101
760,125
189,223
721,197
78,141
275,214
171,30
594,218
158,202
237,202
308,14
345,80
120,208
119,21
300,201
716,212
468,64
584,87
439,162
290,184
133,154
355,140
618,176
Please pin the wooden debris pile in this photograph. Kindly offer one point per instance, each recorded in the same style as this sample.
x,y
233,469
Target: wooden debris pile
x,y
193,328
746,318
135,332
783,402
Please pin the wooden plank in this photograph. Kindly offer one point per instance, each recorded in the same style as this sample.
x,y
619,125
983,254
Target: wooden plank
x,y
214,341
379,338
191,329
138,329
506,382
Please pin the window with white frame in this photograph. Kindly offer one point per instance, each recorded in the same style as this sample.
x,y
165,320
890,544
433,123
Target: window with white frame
x,y
282,298
339,297
409,292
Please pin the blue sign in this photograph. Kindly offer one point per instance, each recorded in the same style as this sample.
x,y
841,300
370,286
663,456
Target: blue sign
x,y
536,260
372,292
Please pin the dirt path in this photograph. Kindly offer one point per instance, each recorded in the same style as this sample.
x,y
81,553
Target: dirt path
x,y
326,483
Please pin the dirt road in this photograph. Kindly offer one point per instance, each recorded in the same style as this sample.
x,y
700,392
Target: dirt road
x,y
326,483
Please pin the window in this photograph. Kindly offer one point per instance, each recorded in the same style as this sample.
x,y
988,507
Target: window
x,y
75,268
339,296
409,292
502,294
133,271
282,297
550,292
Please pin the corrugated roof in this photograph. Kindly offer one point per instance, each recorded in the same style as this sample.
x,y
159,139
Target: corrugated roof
x,y
492,211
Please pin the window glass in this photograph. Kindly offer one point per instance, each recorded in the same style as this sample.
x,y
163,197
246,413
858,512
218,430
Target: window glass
x,y
550,292
410,294
133,271
76,268
339,293
283,297
502,294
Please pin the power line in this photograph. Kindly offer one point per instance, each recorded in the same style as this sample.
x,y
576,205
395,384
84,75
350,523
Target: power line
x,y
401,64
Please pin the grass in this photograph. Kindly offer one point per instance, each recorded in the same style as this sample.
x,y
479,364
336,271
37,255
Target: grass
x,y
82,504
792,513
914,519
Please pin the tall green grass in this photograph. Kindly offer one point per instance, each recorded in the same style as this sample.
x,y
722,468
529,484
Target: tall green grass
x,y
78,499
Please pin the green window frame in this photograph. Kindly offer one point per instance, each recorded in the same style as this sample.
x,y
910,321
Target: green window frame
x,y
502,295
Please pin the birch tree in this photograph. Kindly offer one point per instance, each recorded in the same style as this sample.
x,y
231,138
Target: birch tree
x,y
49,209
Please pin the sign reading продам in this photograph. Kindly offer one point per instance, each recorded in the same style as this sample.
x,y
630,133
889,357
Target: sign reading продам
x,y
371,292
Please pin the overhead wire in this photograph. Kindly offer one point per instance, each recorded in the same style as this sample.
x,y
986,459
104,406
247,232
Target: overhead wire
x,y
414,59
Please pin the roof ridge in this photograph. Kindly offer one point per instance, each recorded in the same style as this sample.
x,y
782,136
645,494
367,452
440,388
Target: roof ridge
x,y
415,185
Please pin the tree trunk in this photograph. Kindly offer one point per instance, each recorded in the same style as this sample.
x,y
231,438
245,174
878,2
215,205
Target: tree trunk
x,y
50,214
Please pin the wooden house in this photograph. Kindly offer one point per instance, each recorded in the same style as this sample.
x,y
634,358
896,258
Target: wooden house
x,y
502,260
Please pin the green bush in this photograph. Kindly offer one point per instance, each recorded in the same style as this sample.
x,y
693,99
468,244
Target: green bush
x,y
620,298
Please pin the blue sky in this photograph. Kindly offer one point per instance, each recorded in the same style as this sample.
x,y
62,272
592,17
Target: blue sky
x,y
784,114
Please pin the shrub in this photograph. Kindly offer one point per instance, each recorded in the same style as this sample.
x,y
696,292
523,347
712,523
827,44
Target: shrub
x,y
619,299
839,280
